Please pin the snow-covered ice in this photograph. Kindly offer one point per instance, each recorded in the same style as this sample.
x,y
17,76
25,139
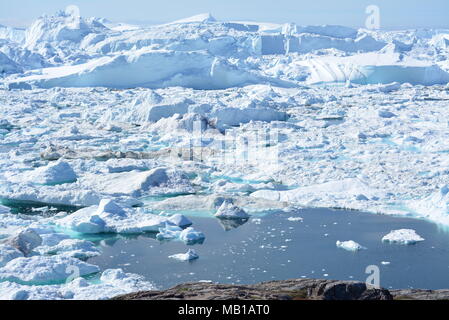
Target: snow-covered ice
x,y
230,211
188,256
403,236
350,245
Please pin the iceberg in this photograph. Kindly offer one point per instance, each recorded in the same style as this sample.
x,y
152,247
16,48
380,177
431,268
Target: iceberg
x,y
403,236
350,245
229,211
190,236
188,256
59,172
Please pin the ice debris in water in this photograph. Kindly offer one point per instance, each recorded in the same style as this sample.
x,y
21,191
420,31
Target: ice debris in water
x,y
109,217
188,235
295,219
350,245
403,236
191,236
230,211
188,256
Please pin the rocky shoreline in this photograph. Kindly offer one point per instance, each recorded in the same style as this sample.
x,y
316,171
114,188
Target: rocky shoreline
x,y
298,289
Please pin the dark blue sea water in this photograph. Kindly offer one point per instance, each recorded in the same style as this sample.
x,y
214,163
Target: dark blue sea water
x,y
275,248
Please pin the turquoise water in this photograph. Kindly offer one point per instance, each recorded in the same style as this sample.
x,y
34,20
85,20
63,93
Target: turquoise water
x,y
272,247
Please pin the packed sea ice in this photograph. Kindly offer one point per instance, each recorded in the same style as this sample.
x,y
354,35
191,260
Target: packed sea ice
x,y
99,119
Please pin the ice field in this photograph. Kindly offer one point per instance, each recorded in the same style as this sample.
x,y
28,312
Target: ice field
x,y
123,130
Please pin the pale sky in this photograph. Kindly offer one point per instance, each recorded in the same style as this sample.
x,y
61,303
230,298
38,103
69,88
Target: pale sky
x,y
394,13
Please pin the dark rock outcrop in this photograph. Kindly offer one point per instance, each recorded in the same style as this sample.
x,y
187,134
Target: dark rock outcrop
x,y
418,294
300,289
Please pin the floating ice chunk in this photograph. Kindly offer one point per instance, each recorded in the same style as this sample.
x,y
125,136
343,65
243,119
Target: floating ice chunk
x,y
54,173
188,256
109,206
361,197
45,269
25,241
169,232
74,248
180,220
191,236
386,114
403,236
230,211
4,209
8,253
350,245
93,220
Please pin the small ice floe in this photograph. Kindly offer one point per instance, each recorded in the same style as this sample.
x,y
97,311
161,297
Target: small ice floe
x,y
295,219
403,236
188,236
350,245
169,232
230,211
188,256
191,236
58,172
